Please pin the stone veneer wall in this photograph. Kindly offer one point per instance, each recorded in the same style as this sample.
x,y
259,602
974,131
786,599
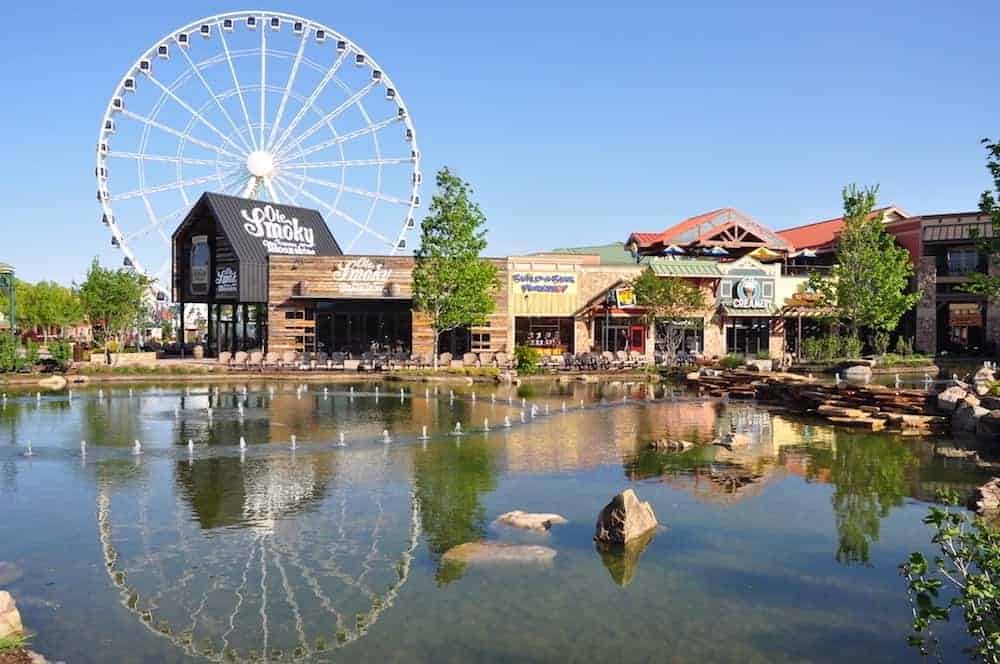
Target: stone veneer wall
x,y
926,337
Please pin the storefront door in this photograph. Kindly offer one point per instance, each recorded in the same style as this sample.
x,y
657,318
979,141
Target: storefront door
x,y
637,338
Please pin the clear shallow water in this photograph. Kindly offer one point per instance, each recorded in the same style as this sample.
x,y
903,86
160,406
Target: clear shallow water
x,y
785,551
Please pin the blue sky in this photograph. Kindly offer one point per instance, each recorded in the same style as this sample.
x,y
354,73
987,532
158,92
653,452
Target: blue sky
x,y
576,122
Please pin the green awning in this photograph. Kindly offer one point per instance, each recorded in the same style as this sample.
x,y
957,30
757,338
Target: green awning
x,y
685,268
734,312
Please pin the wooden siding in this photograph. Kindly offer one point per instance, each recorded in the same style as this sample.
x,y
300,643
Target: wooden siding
x,y
313,277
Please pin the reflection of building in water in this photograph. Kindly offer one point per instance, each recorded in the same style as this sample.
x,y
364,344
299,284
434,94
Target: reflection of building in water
x,y
776,446
604,437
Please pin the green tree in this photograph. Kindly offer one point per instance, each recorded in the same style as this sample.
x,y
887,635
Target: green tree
x,y
868,285
989,204
667,299
114,300
452,285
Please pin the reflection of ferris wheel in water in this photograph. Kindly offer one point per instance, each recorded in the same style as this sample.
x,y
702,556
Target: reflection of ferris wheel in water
x,y
262,105
289,584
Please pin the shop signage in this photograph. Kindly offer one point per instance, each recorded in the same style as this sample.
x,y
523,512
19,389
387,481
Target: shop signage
x,y
749,295
965,316
362,276
625,297
279,233
226,281
544,282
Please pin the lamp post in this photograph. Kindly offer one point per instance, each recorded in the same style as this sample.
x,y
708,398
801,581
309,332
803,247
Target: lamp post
x,y
7,283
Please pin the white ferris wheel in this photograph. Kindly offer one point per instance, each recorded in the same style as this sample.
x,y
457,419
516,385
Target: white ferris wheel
x,y
262,105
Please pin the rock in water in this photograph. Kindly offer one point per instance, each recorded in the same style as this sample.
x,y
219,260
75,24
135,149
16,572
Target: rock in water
x,y
530,521
498,552
966,418
9,573
622,560
858,374
10,617
53,382
986,498
624,519
949,399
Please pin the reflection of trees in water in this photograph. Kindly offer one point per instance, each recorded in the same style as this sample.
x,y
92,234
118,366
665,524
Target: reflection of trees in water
x,y
110,422
449,480
870,478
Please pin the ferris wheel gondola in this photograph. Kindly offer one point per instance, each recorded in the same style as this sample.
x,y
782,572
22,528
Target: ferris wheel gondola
x,y
261,106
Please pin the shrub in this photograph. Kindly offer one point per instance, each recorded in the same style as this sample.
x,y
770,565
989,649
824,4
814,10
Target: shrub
x,y
880,342
62,352
829,347
763,355
527,359
904,346
811,349
732,362
850,347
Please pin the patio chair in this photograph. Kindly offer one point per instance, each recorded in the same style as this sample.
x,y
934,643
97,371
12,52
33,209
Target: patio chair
x,y
444,360
288,360
486,359
240,359
608,361
502,361
623,360
322,360
638,359
306,361
271,360
256,360
337,360
225,359
470,361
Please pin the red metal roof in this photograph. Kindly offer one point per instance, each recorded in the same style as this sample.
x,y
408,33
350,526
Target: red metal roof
x,y
645,239
822,234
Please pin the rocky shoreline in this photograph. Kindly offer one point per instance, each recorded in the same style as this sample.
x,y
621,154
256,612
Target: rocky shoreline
x,y
962,408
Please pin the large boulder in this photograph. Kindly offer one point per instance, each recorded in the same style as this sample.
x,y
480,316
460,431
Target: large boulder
x,y
483,552
53,382
10,617
948,400
530,520
986,498
966,418
624,518
988,426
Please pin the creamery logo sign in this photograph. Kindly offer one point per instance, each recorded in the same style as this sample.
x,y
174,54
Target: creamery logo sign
x,y
361,275
280,233
749,295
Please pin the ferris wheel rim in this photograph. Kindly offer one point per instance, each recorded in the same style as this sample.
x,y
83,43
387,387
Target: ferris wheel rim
x,y
276,138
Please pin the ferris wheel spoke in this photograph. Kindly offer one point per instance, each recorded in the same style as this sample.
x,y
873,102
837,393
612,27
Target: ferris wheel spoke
x,y
250,188
167,187
364,131
351,190
236,84
179,134
284,192
343,215
387,161
269,186
308,103
335,113
215,98
263,78
288,86
197,116
155,224
167,158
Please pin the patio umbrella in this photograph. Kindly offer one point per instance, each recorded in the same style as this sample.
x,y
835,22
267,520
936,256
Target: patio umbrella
x,y
718,251
674,250
764,254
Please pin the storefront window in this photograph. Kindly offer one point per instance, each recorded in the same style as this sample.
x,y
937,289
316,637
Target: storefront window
x,y
546,334
615,334
748,336
680,336
199,264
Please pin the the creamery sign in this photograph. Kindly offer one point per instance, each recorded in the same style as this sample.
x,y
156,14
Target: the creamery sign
x,y
361,276
279,233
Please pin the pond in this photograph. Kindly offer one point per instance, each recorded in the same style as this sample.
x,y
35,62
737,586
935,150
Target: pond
x,y
786,550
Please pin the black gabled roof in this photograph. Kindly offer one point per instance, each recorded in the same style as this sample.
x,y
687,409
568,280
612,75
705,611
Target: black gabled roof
x,y
234,214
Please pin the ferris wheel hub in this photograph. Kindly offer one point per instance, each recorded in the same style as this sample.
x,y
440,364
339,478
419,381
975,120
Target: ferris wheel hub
x,y
260,163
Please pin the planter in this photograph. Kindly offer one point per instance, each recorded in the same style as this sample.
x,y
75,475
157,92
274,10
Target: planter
x,y
124,359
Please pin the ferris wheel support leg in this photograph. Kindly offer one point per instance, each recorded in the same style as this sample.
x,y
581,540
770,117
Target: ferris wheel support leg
x,y
250,188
